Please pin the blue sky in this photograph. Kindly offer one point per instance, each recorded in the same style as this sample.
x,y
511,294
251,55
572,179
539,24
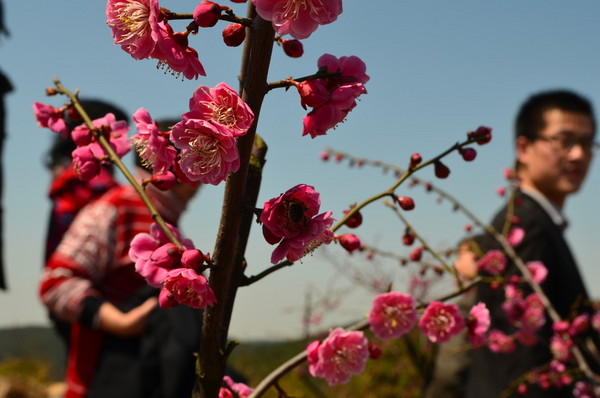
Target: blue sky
x,y
438,69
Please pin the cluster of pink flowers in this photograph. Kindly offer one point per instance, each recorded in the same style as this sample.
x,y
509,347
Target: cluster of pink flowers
x,y
139,27
89,154
341,355
239,389
332,98
298,18
178,272
205,138
291,220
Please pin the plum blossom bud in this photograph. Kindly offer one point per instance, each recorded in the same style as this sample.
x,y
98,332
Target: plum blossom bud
x,y
415,159
292,48
374,351
501,191
355,220
207,14
163,181
324,156
73,114
405,202
441,170
416,254
349,242
408,238
468,154
482,135
234,34
192,258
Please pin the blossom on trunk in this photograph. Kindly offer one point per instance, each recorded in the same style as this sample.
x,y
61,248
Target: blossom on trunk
x,y
392,315
240,389
221,106
51,117
208,154
298,18
441,321
291,220
341,355
152,146
134,25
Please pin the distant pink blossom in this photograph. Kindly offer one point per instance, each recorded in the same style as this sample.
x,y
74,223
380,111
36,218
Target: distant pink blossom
x,y
579,324
499,342
174,53
51,117
534,316
291,220
441,321
583,390
493,262
501,191
392,315
341,355
221,106
515,236
152,146
185,286
350,242
478,324
537,270
298,18
154,255
134,25
208,154
560,346
242,390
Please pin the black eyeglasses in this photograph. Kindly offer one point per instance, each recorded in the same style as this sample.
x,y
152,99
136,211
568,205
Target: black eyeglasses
x,y
566,142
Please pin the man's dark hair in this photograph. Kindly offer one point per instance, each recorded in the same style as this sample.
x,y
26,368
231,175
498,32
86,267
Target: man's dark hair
x,y
530,119
61,148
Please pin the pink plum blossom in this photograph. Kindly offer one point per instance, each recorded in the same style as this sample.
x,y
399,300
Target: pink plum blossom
x,y
341,355
299,19
134,25
241,390
51,117
152,146
185,286
291,220
87,159
153,254
174,53
560,346
500,342
537,270
441,321
478,324
392,315
493,262
583,390
208,154
579,324
515,236
352,69
222,107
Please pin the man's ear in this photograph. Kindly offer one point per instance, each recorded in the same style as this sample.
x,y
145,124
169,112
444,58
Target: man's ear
x,y
522,148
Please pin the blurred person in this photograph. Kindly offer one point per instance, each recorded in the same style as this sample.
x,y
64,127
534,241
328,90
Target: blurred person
x,y
121,344
554,143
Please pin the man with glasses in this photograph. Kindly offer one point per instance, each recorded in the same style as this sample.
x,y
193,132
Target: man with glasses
x,y
555,133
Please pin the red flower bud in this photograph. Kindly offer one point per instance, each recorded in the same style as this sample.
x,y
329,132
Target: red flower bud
x,y
374,351
408,238
482,135
324,156
441,170
416,254
349,242
355,220
234,34
164,181
415,159
192,259
207,14
292,48
468,154
405,202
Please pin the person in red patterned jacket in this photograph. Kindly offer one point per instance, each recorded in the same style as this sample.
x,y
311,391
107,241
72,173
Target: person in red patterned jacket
x,y
119,337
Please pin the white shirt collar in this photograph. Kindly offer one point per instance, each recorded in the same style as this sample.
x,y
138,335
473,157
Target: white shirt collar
x,y
551,209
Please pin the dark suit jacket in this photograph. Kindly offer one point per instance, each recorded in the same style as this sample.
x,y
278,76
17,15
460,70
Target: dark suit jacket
x,y
492,373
